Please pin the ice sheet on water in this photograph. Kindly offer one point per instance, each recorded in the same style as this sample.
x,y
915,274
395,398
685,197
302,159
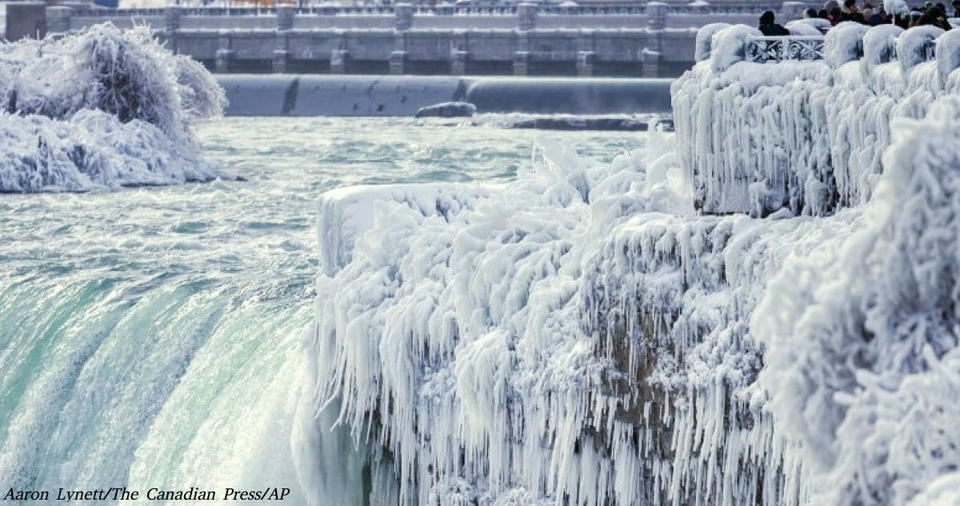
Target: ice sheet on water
x,y
101,109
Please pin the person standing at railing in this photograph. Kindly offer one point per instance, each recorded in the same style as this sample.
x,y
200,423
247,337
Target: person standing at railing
x,y
878,16
831,11
934,16
769,27
850,12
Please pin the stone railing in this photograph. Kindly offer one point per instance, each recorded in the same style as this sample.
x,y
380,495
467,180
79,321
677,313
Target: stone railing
x,y
404,17
719,10
821,148
811,47
449,10
650,39
777,49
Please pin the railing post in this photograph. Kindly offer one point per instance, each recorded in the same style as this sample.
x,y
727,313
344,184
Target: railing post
x,y
526,23
651,56
281,55
171,19
657,12
58,18
459,53
285,15
224,55
404,16
651,62
339,58
586,56
526,16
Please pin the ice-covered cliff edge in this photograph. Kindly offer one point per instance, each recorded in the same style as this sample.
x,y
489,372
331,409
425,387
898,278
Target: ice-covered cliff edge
x,y
100,109
584,336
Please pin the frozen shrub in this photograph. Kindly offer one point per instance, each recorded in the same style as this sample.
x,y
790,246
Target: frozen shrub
x,y
146,96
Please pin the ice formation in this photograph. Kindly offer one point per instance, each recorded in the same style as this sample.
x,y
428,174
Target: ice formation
x,y
101,109
827,121
585,336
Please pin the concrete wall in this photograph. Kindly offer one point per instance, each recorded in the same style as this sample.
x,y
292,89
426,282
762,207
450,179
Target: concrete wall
x,y
307,22
655,39
23,19
317,95
227,23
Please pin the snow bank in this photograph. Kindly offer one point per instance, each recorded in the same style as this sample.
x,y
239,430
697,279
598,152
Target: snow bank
x,y
805,136
100,109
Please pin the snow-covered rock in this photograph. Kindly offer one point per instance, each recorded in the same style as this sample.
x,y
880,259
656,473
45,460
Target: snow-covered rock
x,y
101,109
447,110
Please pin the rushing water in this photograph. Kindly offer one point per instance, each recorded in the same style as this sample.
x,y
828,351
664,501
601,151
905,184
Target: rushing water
x,y
149,337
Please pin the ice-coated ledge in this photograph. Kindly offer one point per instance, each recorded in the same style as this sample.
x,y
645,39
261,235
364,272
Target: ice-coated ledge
x,y
346,213
805,135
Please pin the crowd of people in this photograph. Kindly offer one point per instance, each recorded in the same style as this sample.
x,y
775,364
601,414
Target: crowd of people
x,y
934,14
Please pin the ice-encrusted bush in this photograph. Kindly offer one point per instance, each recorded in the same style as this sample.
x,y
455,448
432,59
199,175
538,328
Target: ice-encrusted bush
x,y
101,108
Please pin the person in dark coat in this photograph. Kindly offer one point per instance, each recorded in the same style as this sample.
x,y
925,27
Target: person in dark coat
x,y
769,27
850,12
880,17
956,8
934,17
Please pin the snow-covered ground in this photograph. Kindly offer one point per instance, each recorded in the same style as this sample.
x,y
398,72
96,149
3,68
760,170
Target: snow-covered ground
x,y
101,109
584,336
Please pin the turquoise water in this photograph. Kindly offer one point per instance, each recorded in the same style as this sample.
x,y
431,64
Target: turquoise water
x,y
149,337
